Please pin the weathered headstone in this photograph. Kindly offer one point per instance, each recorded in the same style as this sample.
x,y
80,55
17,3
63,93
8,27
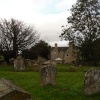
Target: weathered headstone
x,y
92,81
32,62
8,91
36,67
72,69
4,64
48,75
11,61
19,64
40,60
29,64
1,58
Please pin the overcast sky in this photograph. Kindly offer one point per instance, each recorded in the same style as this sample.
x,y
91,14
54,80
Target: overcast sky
x,y
46,15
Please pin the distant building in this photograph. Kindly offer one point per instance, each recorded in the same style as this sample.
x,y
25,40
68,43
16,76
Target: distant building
x,y
67,54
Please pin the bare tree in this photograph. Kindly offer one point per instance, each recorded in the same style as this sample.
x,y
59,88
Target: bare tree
x,y
16,36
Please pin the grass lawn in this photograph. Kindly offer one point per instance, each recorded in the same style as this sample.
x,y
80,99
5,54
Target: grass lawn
x,y
70,85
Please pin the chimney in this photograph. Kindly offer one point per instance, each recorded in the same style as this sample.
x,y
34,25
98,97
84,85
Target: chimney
x,y
55,45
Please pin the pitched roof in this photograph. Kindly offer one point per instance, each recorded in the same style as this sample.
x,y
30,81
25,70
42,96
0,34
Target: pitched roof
x,y
60,48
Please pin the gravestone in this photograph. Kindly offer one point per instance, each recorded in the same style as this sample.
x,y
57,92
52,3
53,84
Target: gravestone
x,y
72,69
4,64
36,67
29,64
32,62
11,61
8,91
48,74
40,60
92,81
1,58
19,64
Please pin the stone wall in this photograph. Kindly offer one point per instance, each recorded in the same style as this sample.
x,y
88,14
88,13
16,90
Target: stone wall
x,y
54,53
69,56
61,55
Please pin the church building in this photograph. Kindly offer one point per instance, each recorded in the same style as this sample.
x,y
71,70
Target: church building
x,y
66,54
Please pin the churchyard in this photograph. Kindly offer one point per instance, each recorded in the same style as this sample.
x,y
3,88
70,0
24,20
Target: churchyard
x,y
69,84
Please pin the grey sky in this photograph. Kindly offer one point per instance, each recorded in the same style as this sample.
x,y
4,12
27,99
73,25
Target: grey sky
x,y
46,15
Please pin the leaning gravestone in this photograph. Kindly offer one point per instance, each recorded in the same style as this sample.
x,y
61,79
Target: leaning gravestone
x,y
92,81
48,74
8,91
19,64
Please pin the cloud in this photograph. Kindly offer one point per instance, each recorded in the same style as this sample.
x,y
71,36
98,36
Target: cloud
x,y
50,25
46,15
14,8
65,4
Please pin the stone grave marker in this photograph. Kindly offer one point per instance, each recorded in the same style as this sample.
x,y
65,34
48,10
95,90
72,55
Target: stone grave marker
x,y
48,74
8,91
92,81
19,64
72,69
11,61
